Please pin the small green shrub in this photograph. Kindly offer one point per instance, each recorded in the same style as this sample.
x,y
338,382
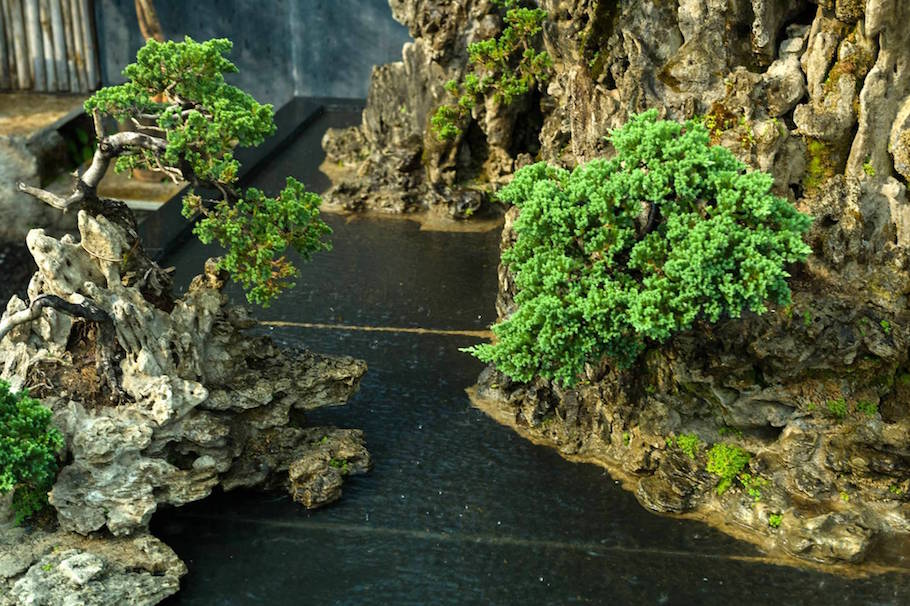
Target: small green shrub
x,y
688,443
726,461
753,485
591,285
506,67
867,408
775,519
28,451
886,326
837,408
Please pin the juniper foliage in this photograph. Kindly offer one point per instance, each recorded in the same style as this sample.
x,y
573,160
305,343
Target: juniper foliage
x,y
177,91
505,67
28,451
591,283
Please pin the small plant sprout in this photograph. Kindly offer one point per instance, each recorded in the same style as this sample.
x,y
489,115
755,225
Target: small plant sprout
x,y
886,326
727,462
837,408
775,519
690,444
753,485
867,408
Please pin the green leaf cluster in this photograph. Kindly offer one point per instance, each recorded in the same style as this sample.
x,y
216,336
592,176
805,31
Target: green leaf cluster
x,y
727,462
506,67
257,229
592,284
177,91
180,88
689,443
28,451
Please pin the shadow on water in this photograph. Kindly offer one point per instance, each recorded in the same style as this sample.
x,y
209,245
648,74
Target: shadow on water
x,y
458,509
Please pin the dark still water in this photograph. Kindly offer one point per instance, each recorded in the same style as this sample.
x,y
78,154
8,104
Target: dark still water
x,y
457,510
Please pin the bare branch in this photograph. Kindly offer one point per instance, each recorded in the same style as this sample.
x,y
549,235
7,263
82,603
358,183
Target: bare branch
x,y
46,197
99,126
117,145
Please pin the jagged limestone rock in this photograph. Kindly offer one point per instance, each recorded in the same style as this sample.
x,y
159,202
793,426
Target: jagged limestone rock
x,y
60,569
829,74
201,405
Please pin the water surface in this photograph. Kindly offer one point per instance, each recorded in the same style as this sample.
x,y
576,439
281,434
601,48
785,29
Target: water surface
x,y
458,509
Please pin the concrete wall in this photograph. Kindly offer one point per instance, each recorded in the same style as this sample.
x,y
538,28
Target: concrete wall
x,y
282,47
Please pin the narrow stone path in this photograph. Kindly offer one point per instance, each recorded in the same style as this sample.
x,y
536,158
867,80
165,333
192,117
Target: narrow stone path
x,y
458,509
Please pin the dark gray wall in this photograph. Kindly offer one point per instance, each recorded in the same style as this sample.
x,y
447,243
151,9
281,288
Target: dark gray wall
x,y
282,47
337,42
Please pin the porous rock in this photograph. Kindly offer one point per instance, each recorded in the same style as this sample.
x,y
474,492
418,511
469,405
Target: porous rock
x,y
202,401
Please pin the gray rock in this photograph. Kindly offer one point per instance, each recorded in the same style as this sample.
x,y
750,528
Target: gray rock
x,y
63,569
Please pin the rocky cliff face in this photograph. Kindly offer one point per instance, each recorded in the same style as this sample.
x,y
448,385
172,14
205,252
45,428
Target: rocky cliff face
x,y
202,405
815,92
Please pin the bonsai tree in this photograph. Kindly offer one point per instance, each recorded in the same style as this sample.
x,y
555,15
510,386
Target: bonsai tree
x,y
626,252
185,120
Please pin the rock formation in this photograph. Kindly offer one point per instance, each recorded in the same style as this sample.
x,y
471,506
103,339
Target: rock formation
x,y
160,400
817,93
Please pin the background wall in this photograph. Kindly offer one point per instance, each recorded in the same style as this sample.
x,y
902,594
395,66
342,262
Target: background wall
x,y
283,47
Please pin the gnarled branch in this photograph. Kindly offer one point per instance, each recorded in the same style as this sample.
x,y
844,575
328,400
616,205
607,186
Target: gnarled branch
x,y
108,148
107,334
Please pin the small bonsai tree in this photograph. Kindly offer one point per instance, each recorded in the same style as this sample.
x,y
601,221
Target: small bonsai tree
x,y
505,67
28,451
185,121
625,252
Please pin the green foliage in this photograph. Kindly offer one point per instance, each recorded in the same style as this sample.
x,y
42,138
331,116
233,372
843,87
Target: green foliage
x,y
506,67
753,485
867,408
256,230
775,519
868,168
837,408
727,462
688,443
886,326
80,147
590,285
28,451
177,91
343,467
